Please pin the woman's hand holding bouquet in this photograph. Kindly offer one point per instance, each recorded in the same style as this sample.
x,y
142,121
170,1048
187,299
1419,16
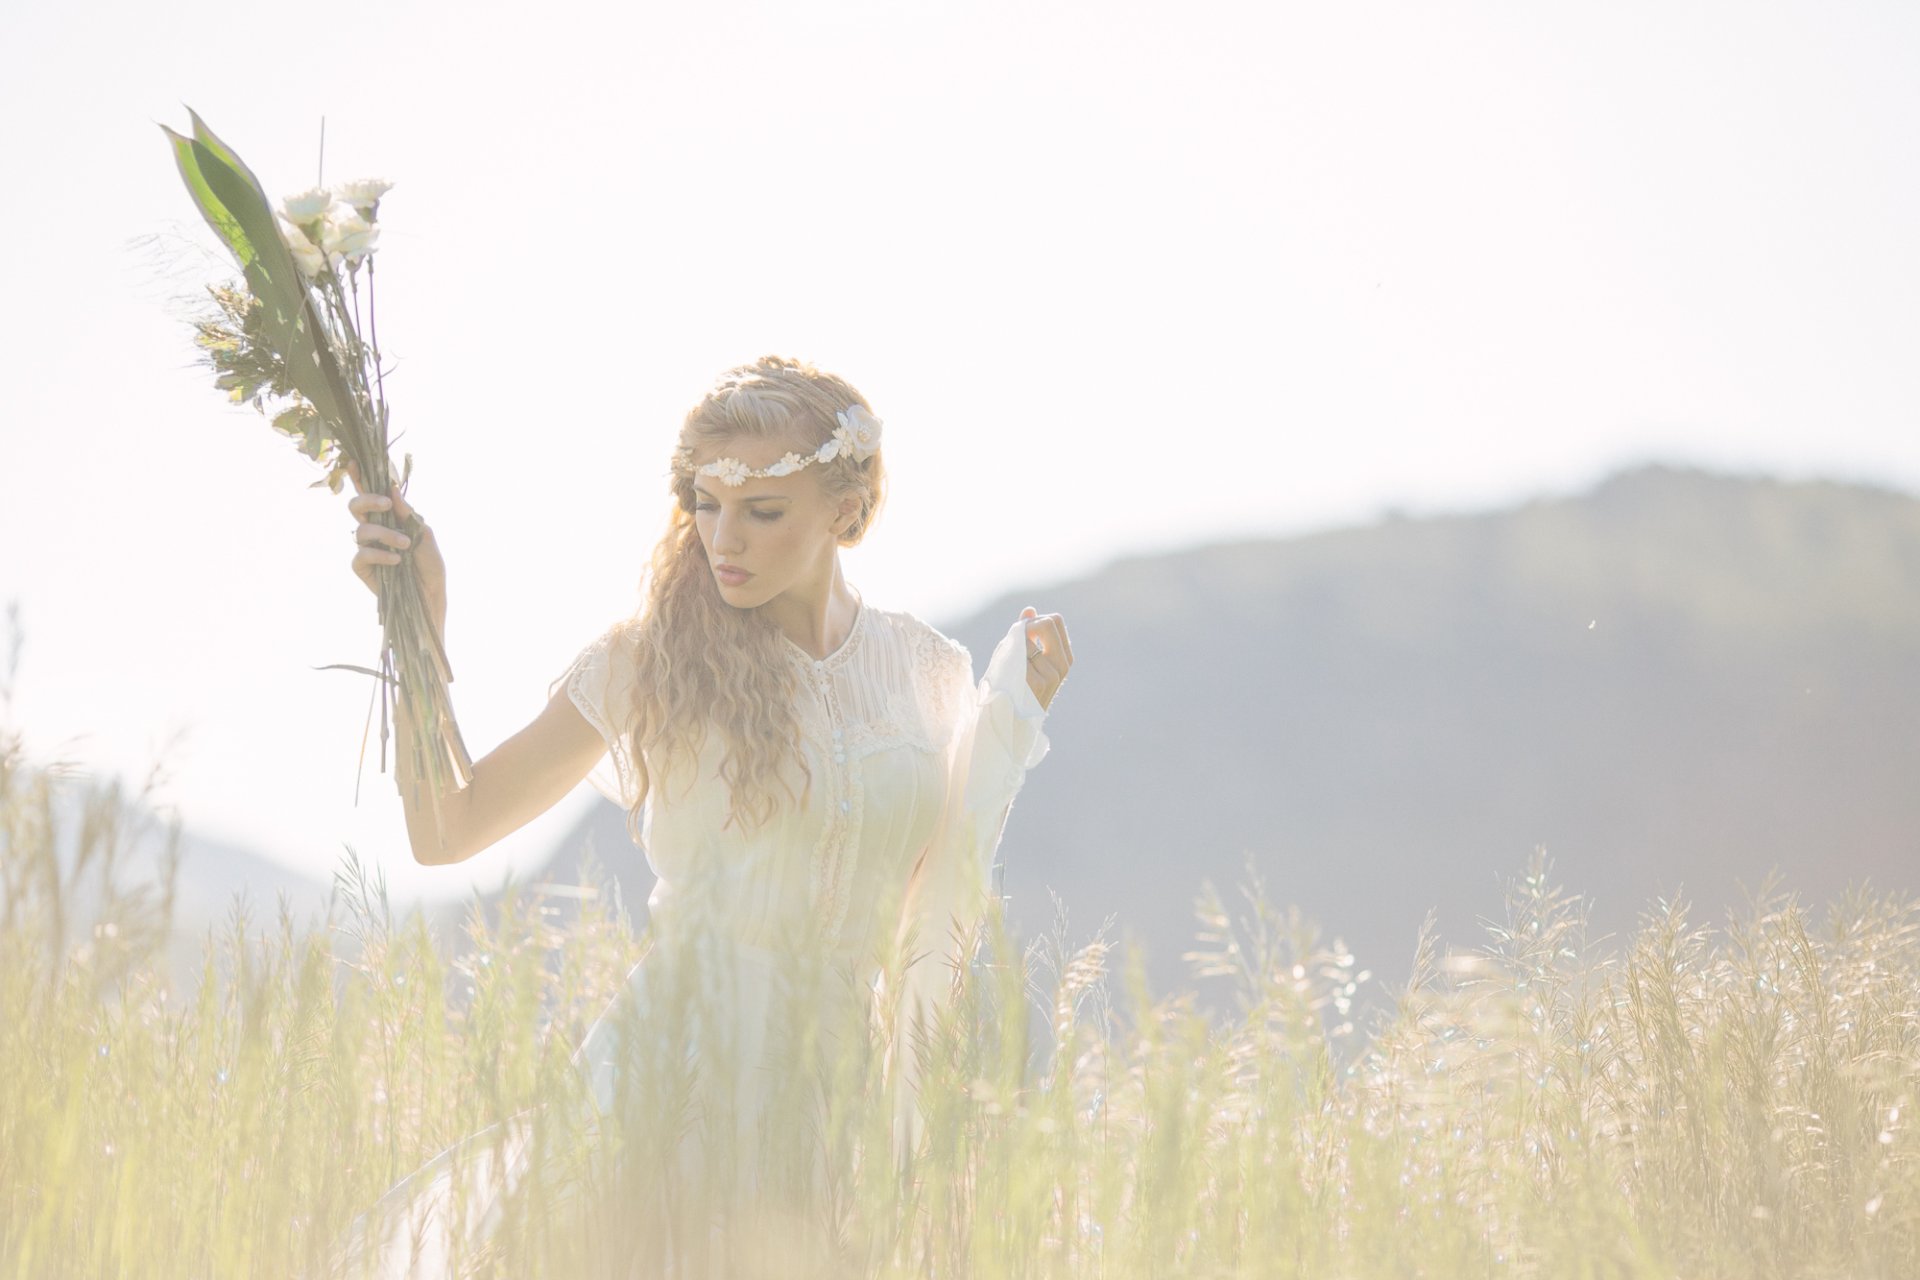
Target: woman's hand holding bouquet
x,y
385,544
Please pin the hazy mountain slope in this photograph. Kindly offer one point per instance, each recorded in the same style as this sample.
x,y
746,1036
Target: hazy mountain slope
x,y
101,830
1677,678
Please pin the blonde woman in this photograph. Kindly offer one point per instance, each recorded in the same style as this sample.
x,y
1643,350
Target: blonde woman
x,y
803,767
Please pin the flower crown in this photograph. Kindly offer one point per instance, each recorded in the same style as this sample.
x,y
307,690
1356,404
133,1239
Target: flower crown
x,y
858,436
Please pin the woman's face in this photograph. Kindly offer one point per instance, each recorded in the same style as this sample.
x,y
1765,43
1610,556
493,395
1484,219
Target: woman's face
x,y
780,530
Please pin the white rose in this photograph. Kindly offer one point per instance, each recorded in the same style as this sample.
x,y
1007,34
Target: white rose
x,y
308,206
305,253
347,235
862,430
364,194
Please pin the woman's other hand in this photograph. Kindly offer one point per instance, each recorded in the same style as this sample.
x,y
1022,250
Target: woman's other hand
x,y
1049,653
382,544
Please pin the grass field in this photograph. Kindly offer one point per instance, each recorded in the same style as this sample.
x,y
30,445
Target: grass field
x,y
1727,1101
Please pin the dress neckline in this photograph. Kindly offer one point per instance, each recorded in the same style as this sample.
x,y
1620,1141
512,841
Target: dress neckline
x,y
846,645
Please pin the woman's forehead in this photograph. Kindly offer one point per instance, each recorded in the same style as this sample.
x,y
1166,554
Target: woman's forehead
x,y
756,452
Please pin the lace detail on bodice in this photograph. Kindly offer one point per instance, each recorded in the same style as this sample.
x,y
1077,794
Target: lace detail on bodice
x,y
943,673
895,682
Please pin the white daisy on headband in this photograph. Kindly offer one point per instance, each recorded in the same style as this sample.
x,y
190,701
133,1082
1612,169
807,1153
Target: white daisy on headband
x,y
858,435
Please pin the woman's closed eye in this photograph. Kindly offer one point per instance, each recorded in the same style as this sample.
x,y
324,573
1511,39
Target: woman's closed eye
x,y
767,516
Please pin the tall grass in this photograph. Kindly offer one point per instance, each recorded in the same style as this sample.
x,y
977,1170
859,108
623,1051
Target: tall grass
x,y
1698,1102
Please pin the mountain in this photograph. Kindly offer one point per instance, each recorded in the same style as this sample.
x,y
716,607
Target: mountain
x,y
109,854
1675,681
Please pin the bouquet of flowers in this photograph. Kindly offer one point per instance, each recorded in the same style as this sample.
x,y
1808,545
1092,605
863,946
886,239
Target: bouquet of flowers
x,y
289,339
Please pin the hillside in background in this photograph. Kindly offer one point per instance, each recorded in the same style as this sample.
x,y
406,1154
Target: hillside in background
x,y
111,850
1677,680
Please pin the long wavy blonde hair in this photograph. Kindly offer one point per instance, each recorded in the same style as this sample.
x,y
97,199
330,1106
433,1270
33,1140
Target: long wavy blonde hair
x,y
700,664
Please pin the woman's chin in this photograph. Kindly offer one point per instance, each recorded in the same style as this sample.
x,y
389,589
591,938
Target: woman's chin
x,y
736,595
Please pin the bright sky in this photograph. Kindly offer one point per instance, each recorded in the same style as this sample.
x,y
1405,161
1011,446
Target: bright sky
x,y
1117,277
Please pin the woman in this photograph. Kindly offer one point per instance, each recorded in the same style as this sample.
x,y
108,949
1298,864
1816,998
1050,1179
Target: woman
x,y
803,768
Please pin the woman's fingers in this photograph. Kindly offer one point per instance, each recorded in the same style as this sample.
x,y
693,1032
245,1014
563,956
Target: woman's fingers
x,y
377,544
365,506
367,557
1047,632
367,534
362,501
1048,652
387,530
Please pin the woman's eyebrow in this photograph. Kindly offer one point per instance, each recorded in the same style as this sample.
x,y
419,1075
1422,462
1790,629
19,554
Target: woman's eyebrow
x,y
758,497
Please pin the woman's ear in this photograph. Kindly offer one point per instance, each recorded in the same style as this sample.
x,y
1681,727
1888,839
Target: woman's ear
x,y
849,512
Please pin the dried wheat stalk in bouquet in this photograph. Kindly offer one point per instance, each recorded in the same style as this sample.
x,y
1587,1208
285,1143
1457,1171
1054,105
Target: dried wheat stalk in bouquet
x,y
290,341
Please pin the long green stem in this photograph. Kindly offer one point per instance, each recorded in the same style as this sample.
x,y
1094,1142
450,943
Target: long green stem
x,y
379,376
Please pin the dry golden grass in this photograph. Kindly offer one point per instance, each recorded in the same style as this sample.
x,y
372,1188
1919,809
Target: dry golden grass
x,y
1732,1102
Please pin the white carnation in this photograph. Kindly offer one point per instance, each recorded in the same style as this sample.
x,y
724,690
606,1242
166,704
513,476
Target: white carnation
x,y
308,206
364,193
347,235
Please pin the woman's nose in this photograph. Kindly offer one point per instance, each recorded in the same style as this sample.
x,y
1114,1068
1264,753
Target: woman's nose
x,y
726,536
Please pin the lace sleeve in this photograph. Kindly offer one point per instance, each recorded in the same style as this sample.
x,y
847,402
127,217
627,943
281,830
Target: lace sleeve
x,y
995,739
600,683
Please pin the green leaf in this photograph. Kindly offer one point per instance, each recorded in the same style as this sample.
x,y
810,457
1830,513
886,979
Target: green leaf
x,y
234,185
225,225
272,276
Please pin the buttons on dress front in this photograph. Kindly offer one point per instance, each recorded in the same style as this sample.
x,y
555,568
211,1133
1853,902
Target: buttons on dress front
x,y
835,853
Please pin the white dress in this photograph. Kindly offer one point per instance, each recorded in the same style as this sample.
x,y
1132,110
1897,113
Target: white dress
x,y
915,767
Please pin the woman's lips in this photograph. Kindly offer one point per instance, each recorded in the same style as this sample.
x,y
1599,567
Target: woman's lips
x,y
733,577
